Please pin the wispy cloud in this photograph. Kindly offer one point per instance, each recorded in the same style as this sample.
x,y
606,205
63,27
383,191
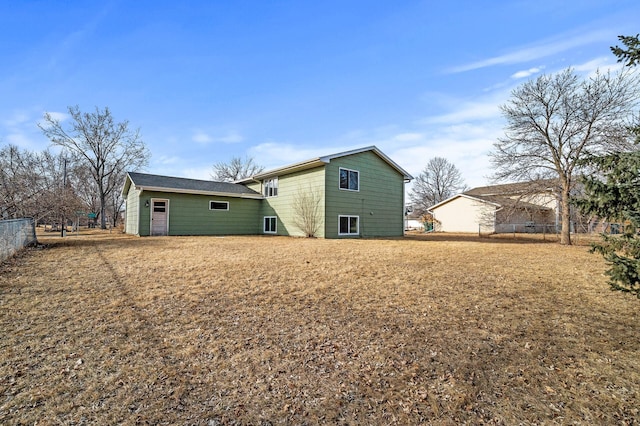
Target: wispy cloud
x,y
168,160
58,116
602,63
205,138
464,144
527,73
202,173
20,129
542,49
470,111
275,154
16,119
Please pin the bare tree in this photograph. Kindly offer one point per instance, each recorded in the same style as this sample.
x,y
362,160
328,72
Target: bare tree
x,y
107,148
439,180
235,169
17,184
556,120
307,214
33,184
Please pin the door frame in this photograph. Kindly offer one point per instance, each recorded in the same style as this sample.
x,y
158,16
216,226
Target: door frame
x,y
166,230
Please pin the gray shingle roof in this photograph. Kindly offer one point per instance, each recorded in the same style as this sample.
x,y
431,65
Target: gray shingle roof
x,y
508,202
541,185
176,184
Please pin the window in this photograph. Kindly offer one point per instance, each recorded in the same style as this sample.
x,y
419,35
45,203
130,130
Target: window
x,y
349,179
270,223
160,206
270,187
218,205
348,225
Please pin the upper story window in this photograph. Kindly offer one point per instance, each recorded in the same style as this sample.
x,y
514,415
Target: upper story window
x,y
218,205
271,187
349,179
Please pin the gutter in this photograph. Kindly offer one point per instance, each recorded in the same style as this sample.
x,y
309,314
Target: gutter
x,y
196,192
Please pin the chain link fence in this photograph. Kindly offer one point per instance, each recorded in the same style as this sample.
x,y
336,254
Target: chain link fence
x,y
16,234
527,228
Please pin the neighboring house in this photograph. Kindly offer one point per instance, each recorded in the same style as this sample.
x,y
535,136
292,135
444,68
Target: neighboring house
x,y
516,207
358,193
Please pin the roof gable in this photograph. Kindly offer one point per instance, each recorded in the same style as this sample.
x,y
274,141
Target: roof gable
x,y
537,186
321,161
464,195
149,182
502,195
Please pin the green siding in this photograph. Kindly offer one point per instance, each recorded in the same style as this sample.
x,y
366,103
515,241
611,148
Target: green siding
x,y
379,202
189,214
282,206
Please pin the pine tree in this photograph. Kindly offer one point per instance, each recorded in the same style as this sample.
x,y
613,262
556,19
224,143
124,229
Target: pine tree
x,y
617,197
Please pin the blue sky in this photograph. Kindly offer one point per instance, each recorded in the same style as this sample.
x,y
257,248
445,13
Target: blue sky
x,y
284,81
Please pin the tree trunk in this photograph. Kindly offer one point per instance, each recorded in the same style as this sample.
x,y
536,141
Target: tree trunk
x,y
565,234
103,219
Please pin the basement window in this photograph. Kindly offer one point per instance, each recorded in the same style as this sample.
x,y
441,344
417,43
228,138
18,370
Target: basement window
x,y
348,225
218,205
270,224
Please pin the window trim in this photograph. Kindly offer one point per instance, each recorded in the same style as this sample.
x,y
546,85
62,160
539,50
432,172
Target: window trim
x,y
264,224
218,201
350,216
349,171
270,184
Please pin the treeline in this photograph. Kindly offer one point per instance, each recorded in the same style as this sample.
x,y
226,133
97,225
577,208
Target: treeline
x,y
50,187
83,176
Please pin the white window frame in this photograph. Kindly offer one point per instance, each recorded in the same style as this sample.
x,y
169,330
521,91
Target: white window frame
x,y
218,201
350,216
349,171
264,224
270,187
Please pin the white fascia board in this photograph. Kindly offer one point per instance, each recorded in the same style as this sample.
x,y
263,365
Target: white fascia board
x,y
195,192
319,161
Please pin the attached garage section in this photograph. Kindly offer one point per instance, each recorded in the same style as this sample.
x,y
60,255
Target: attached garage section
x,y
189,214
160,205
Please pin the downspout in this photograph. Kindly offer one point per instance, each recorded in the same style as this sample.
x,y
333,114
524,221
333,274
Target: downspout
x,y
361,220
404,212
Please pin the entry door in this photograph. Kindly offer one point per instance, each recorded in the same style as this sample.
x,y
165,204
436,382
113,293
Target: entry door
x,y
159,217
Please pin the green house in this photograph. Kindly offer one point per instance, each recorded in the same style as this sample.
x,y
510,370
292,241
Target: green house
x,y
353,194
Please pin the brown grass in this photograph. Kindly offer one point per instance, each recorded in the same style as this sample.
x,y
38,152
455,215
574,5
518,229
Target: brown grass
x,y
112,329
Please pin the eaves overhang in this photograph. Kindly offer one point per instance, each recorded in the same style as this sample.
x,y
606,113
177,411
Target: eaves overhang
x,y
199,192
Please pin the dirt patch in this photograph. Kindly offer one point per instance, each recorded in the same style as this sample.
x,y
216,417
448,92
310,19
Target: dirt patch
x,y
113,329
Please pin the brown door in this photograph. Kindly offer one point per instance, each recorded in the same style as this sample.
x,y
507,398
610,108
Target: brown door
x,y
159,217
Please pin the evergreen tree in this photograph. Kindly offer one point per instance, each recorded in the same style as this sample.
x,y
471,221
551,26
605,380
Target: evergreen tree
x,y
616,196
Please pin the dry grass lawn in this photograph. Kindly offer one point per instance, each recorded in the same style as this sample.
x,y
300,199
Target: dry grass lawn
x,y
113,329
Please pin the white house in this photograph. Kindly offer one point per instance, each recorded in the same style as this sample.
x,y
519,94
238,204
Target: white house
x,y
517,207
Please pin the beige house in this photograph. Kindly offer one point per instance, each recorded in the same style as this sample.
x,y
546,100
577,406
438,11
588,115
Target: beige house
x,y
518,207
